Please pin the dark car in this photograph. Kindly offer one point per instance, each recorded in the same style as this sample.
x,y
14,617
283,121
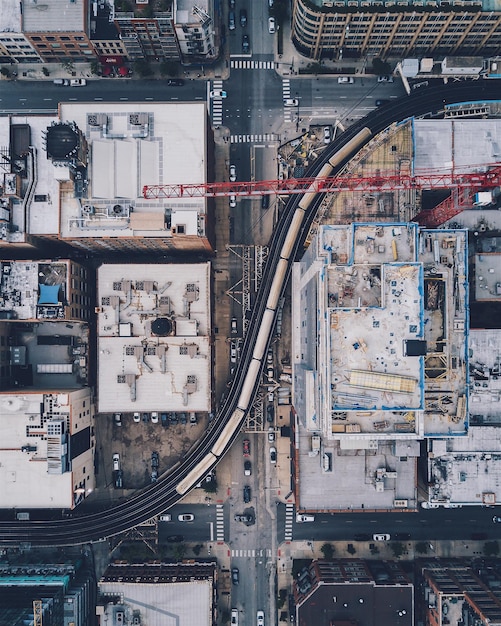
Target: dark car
x,y
243,18
182,418
175,538
235,576
246,447
270,413
363,537
245,44
380,103
265,201
401,536
247,494
146,417
119,479
175,82
173,419
154,460
164,419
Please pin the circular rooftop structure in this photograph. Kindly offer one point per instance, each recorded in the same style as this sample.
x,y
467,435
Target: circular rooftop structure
x,y
161,327
62,141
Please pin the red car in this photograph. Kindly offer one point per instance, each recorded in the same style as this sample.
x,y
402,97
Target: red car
x,y
246,447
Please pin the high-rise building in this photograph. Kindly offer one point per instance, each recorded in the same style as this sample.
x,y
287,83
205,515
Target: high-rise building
x,y
343,29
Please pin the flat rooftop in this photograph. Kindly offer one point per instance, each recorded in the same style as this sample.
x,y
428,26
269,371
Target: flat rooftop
x,y
153,337
55,16
129,146
485,377
35,470
10,17
466,470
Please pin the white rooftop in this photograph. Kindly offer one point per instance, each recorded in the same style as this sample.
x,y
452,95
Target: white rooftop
x,y
54,16
132,145
154,344
467,145
466,470
10,16
485,376
24,475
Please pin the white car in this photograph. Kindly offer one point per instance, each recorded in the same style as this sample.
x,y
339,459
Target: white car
x,y
116,462
217,93
271,434
346,80
385,79
166,517
291,102
136,418
186,517
154,417
260,618
233,173
234,617
300,518
381,537
271,25
233,202
273,455
327,134
78,82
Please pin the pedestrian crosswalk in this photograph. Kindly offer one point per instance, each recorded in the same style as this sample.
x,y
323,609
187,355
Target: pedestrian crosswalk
x,y
251,553
254,138
238,64
289,517
286,94
217,105
219,523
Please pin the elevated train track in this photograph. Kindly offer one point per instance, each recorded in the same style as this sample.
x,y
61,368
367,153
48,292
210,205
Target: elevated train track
x,y
286,244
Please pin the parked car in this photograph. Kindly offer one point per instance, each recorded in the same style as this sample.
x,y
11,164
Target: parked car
x,y
233,202
271,434
186,517
164,418
260,618
385,79
173,418
291,102
166,517
245,44
243,18
247,468
182,418
234,327
231,20
271,25
233,173
273,455
246,447
154,475
247,494
118,419
136,417
300,518
217,93
146,417
116,462
270,413
154,417
235,576
381,537
193,418
496,519
119,480
234,617
327,134
231,4
78,82
175,82
155,460
233,351
346,80
363,537
270,374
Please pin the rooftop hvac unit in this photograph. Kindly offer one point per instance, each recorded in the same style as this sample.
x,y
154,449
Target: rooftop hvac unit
x,y
117,210
88,209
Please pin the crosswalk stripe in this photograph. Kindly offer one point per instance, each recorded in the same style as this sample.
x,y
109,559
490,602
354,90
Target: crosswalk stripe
x,y
244,64
254,138
251,553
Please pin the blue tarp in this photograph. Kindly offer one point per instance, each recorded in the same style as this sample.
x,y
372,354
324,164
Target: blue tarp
x,y
48,294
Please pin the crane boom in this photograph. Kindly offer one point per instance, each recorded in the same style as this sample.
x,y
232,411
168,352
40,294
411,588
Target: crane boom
x,y
382,181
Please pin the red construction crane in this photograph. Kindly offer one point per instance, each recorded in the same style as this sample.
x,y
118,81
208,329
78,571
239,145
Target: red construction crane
x,y
462,185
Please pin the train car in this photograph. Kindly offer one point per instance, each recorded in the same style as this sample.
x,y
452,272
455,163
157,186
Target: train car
x,y
277,284
201,469
228,431
347,150
297,220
